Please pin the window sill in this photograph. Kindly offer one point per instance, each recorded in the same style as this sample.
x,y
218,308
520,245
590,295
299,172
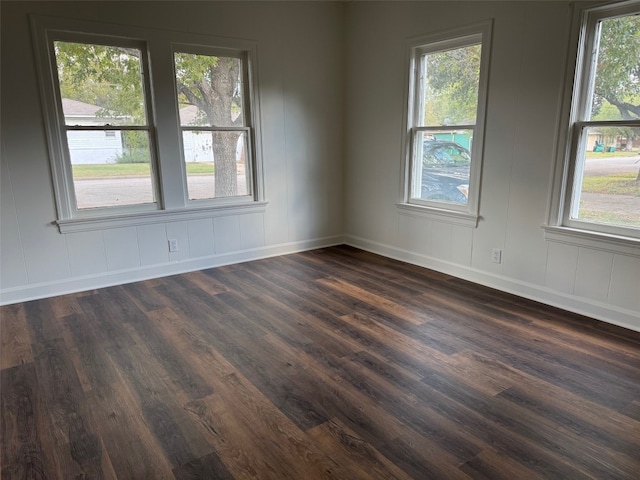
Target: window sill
x,y
449,216
595,240
157,216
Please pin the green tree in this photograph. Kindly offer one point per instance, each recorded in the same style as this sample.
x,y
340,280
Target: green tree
x,y
451,94
618,72
110,77
618,67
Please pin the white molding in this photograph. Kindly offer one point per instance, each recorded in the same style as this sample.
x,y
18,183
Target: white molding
x,y
439,214
584,306
158,216
26,293
595,240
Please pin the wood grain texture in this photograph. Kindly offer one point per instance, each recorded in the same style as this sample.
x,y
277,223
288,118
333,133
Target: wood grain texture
x,y
26,447
328,364
15,345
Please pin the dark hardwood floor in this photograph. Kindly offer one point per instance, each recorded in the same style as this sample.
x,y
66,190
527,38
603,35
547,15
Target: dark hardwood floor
x,y
335,363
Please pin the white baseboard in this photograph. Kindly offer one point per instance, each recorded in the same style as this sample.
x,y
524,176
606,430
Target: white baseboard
x,y
78,284
584,306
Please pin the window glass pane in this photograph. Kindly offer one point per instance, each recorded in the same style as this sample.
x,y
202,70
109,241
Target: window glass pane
x,y
110,171
607,183
616,93
216,164
100,85
451,86
210,90
442,162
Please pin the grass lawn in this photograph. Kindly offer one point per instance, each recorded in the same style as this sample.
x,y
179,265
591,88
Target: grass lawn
x,y
634,153
619,184
131,170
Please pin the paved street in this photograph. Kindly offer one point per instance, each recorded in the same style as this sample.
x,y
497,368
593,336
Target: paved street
x,y
611,165
92,193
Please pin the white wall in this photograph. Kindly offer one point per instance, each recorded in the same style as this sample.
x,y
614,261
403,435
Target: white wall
x,y
530,42
300,71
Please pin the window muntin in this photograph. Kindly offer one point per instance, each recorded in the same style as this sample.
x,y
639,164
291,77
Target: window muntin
x,y
211,95
446,120
101,91
602,187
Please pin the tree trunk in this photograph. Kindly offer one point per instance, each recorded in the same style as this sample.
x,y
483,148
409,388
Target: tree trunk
x,y
224,78
226,170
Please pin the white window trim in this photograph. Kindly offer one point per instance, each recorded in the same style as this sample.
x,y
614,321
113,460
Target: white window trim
x,y
249,119
159,216
559,227
59,129
466,215
170,175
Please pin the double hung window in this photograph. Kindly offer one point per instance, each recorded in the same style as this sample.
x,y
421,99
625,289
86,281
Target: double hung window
x,y
447,97
108,152
600,181
214,123
145,123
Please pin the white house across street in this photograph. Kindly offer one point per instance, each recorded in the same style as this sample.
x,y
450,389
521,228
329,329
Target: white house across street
x,y
103,147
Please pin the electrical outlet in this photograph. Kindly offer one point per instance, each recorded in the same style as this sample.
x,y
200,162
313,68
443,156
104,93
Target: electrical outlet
x,y
173,245
496,255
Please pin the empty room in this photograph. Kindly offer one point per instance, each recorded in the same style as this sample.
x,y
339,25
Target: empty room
x,y
320,239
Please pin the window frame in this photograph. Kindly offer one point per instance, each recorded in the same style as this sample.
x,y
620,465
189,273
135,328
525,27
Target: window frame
x,y
67,203
247,113
171,194
578,91
417,47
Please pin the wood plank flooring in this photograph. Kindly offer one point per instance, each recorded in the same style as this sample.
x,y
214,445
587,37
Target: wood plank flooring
x,y
335,364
